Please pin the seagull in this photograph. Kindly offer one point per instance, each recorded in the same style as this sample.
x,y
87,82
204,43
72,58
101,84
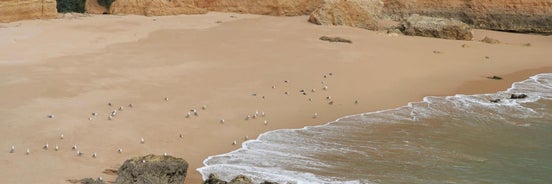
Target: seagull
x,y
120,150
254,116
166,98
28,151
94,114
313,90
12,150
56,148
273,87
90,119
222,121
325,88
329,97
79,153
74,147
164,154
266,122
181,136
235,142
100,178
188,114
45,146
121,108
194,110
246,138
263,114
61,136
130,105
247,117
114,112
142,140
94,155
143,161
204,107
110,117
196,113
315,115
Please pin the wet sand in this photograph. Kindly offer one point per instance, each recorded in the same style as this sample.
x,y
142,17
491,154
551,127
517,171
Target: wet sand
x,y
73,67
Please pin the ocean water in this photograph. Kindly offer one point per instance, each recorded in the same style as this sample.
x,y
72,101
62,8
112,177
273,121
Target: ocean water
x,y
454,139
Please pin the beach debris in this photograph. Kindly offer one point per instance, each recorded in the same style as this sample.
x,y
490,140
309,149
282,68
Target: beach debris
x,y
527,44
50,116
487,57
494,77
286,81
437,52
254,94
465,46
356,101
331,102
12,149
518,96
286,92
335,39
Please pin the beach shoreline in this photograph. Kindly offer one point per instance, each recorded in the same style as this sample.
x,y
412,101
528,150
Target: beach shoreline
x,y
228,67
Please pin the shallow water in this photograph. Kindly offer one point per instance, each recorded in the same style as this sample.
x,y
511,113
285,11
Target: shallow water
x,y
455,139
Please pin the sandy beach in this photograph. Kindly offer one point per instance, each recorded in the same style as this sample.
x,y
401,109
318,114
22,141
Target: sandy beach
x,y
233,64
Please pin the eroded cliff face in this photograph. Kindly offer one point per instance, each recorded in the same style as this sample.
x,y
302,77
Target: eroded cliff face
x,y
263,7
504,15
13,10
355,13
155,7
93,7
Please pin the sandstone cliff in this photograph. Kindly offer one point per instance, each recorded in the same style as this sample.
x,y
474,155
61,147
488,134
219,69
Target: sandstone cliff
x,y
155,7
13,10
504,15
263,7
356,13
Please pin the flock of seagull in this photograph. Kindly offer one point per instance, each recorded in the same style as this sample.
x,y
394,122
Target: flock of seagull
x,y
192,112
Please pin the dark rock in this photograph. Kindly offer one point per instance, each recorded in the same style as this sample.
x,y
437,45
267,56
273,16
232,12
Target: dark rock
x,y
241,179
495,100
495,77
213,179
152,169
417,25
335,39
268,182
518,96
91,181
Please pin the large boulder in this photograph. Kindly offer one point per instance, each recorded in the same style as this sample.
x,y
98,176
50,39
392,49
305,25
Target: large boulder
x,y
152,169
355,13
155,7
504,15
417,25
14,10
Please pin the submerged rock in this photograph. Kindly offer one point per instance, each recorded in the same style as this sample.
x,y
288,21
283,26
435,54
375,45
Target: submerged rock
x,y
417,25
153,169
240,179
91,181
518,96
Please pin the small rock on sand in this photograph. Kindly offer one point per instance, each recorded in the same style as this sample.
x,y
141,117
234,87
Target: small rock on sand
x,y
335,39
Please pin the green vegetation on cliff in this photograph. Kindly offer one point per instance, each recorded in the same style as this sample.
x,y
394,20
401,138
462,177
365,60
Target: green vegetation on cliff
x,y
65,6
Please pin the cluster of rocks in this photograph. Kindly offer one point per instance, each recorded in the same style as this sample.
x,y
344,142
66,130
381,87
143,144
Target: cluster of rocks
x,y
240,179
148,169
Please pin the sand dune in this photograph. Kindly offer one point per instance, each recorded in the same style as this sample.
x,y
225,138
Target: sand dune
x,y
73,67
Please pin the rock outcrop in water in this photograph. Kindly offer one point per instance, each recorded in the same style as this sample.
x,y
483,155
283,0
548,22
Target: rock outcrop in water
x,y
417,25
355,13
14,10
153,169
240,179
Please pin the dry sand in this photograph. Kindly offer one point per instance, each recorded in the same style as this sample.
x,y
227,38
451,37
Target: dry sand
x,y
73,67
